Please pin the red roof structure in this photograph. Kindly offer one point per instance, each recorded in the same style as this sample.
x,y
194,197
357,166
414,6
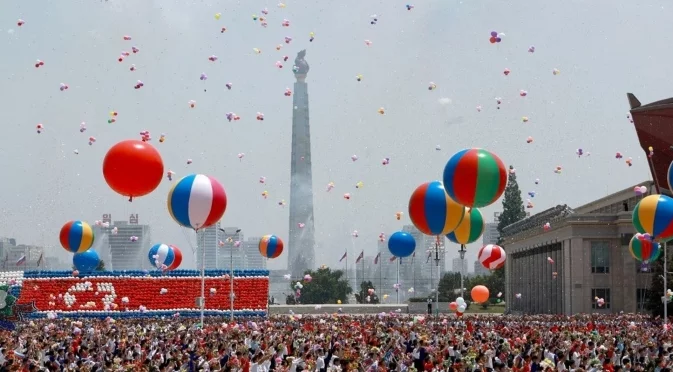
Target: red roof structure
x,y
654,127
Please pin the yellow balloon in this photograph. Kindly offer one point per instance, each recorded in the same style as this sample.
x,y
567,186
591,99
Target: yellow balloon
x,y
339,302
218,15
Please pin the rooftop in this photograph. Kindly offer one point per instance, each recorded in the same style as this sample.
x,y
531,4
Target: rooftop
x,y
609,208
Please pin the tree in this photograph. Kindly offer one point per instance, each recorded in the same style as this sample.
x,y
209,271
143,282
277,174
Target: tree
x,y
512,211
448,286
361,297
653,301
512,204
325,287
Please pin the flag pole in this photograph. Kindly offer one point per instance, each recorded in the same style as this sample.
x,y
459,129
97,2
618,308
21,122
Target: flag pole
x,y
363,270
398,281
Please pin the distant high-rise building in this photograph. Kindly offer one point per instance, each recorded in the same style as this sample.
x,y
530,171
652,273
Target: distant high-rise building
x,y
491,234
116,247
216,256
459,265
252,258
479,269
301,243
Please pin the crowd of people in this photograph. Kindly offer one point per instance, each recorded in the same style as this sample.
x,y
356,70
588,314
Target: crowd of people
x,y
338,342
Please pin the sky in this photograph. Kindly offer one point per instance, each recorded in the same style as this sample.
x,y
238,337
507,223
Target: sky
x,y
603,49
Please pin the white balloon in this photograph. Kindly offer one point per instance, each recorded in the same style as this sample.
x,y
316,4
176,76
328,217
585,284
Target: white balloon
x,y
460,300
461,308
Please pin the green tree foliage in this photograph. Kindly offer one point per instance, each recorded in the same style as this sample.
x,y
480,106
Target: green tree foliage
x,y
512,204
512,211
361,296
449,286
653,300
326,287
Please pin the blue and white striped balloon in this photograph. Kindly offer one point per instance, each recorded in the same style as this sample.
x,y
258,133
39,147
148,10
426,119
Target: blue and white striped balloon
x,y
197,201
164,256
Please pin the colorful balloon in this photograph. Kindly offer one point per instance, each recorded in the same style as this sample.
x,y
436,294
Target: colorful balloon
x,y
644,249
401,244
197,201
654,215
432,211
270,246
163,256
492,256
86,261
76,236
480,294
469,229
133,168
475,178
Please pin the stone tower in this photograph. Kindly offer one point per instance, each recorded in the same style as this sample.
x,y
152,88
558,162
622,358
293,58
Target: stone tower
x,y
301,243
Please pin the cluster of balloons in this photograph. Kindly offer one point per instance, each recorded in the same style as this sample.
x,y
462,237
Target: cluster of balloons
x,y
459,306
473,178
77,237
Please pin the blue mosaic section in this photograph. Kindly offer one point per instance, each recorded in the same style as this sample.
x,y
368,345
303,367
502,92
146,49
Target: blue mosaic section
x,y
153,273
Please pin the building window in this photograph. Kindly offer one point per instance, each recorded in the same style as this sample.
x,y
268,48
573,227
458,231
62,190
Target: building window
x,y
641,298
626,239
603,293
600,257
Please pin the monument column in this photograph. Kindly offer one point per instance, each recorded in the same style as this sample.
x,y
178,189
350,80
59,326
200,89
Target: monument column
x,y
301,243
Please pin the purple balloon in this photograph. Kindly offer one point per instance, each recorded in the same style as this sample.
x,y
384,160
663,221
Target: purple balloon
x,y
497,39
494,33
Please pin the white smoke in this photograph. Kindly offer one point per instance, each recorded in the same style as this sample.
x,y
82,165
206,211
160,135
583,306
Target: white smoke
x,y
444,101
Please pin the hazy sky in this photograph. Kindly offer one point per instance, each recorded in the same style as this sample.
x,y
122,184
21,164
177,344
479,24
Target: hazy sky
x,y
602,48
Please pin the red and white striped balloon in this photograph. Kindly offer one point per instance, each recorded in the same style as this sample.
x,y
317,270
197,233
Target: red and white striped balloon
x,y
492,256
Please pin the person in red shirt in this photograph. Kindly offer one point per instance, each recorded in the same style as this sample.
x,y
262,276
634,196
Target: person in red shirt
x,y
607,366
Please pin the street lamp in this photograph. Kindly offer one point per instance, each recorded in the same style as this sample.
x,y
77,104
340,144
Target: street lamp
x,y
462,251
231,275
438,248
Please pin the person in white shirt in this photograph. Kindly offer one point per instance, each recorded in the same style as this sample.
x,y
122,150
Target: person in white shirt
x,y
320,361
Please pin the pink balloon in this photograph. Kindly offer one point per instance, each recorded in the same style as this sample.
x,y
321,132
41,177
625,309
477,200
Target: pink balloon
x,y
453,306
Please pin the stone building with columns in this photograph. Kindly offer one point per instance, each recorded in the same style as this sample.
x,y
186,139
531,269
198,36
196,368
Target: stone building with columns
x,y
583,255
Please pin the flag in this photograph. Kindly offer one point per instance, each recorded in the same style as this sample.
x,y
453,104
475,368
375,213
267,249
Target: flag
x,y
376,259
393,258
360,257
21,260
39,260
343,257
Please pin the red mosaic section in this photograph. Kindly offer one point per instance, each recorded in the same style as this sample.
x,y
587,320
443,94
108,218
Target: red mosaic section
x,y
251,293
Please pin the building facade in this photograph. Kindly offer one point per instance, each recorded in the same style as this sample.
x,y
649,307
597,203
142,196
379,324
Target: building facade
x,y
479,269
115,246
252,259
220,247
582,256
301,242
491,234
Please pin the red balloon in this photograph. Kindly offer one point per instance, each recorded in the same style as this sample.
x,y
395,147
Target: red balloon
x,y
133,168
492,40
